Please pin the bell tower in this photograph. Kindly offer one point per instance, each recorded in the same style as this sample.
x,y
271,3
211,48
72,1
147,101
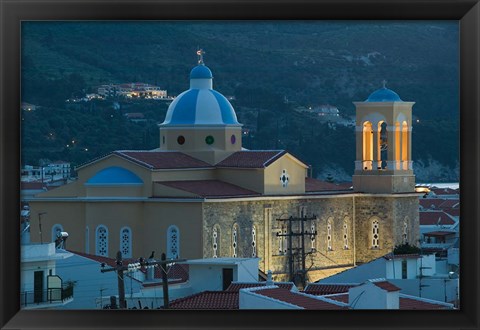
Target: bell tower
x,y
383,132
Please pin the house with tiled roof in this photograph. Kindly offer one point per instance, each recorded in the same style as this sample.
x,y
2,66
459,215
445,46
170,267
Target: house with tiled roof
x,y
382,294
414,274
200,194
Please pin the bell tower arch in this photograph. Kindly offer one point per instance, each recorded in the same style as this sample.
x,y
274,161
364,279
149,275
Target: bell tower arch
x,y
383,133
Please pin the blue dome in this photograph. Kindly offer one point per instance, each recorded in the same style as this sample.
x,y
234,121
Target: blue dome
x,y
114,175
384,95
200,107
201,72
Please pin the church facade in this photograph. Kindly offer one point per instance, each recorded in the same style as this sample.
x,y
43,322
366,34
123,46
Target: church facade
x,y
202,195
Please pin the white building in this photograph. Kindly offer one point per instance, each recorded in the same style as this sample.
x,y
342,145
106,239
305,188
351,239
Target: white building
x,y
421,276
40,285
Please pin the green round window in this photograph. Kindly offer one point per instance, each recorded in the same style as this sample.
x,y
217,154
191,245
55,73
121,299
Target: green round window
x,y
209,139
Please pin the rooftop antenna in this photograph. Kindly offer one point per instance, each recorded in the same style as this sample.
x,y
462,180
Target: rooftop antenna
x,y
200,53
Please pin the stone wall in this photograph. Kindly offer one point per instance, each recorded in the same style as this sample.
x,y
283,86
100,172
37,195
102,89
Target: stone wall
x,y
350,242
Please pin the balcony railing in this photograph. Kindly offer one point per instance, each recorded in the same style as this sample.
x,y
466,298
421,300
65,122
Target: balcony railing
x,y
48,296
368,165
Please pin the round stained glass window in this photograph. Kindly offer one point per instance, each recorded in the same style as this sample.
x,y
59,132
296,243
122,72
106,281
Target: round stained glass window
x,y
233,139
209,139
181,139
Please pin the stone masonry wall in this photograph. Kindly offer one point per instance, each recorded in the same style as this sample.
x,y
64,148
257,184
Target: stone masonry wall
x,y
346,237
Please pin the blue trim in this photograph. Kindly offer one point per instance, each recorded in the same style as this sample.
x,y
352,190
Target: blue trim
x,y
114,176
201,72
228,114
184,110
384,95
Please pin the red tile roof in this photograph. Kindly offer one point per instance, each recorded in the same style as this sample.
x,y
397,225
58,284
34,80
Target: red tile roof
x,y
405,303
444,191
251,159
452,212
431,203
320,289
439,233
177,272
297,299
385,285
450,203
162,159
312,185
207,300
429,218
236,286
209,188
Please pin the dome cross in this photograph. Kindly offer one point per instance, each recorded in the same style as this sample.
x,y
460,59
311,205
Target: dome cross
x,y
200,53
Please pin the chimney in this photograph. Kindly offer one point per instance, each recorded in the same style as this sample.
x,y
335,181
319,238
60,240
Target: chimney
x,y
269,278
374,294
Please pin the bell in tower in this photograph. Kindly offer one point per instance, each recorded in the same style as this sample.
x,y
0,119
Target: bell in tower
x,y
383,132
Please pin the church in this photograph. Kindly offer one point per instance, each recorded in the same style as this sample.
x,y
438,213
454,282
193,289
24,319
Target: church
x,y
201,195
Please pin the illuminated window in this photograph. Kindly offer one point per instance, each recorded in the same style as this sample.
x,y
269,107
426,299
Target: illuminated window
x,y
313,232
329,235
375,234
254,242
382,145
405,231
235,240
215,240
367,146
345,235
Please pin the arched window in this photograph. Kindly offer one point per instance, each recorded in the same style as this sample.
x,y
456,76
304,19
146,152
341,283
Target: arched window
x,y
345,234
173,242
235,241
215,240
405,146
382,145
87,239
398,146
280,241
101,241
367,146
126,242
329,235
313,233
56,230
405,231
254,242
375,234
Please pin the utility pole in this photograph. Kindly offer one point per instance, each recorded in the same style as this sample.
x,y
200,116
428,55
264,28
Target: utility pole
x,y
40,225
120,269
299,250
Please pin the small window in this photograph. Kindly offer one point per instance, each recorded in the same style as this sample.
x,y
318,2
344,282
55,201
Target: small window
x,y
173,242
329,235
345,235
234,241
181,140
101,241
126,242
375,234
215,240
254,242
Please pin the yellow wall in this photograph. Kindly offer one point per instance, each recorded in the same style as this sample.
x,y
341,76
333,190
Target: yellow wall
x,y
295,171
251,179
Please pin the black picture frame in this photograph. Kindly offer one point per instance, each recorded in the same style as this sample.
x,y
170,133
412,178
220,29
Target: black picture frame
x,y
13,12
